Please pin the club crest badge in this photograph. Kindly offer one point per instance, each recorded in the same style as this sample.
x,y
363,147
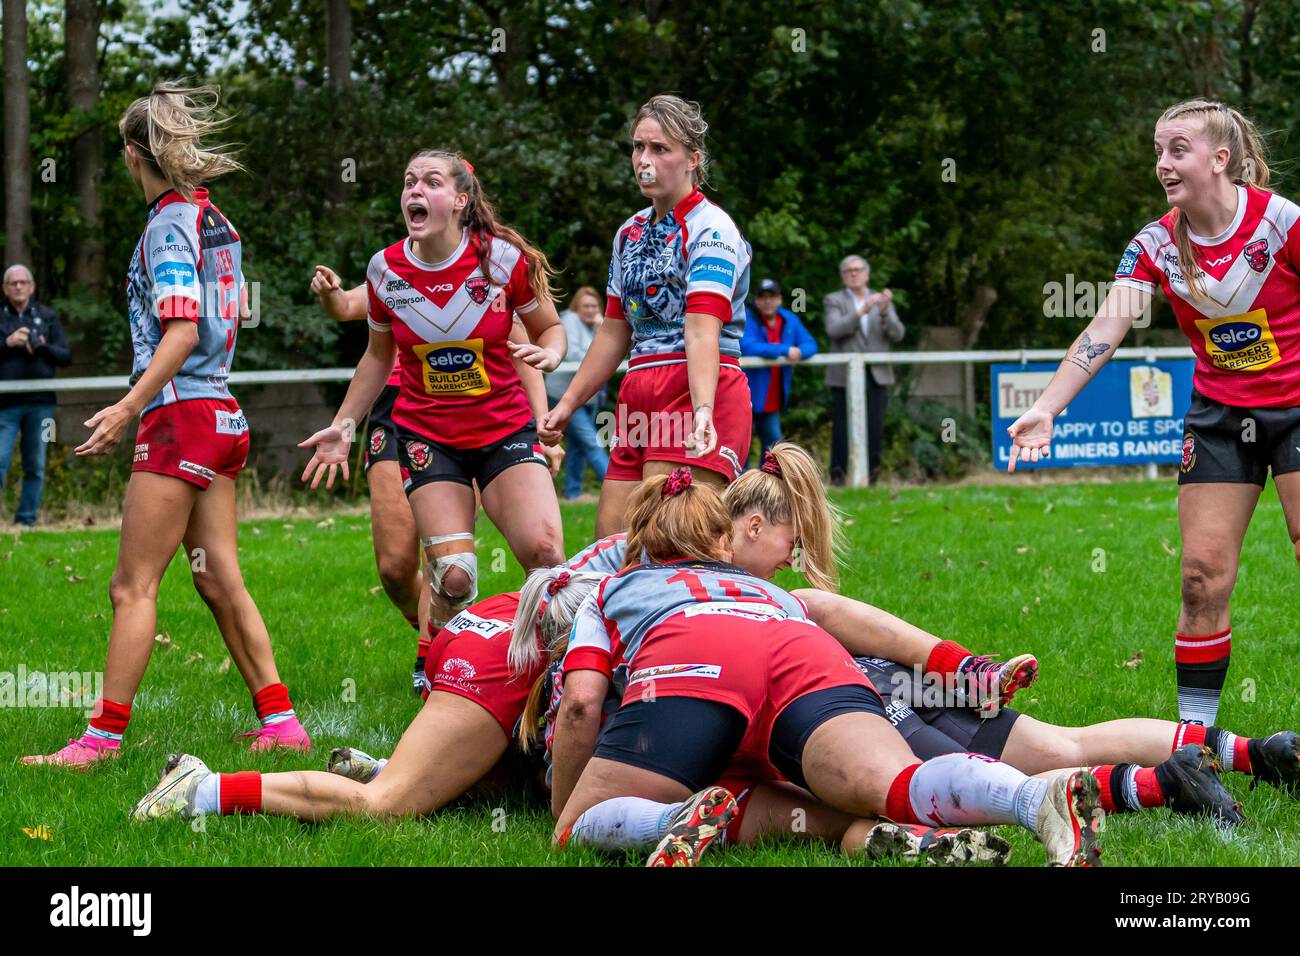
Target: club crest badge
x,y
477,287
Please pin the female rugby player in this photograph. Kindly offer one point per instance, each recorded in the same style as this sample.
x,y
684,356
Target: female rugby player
x,y
397,546
468,720
443,300
1227,256
678,279
185,293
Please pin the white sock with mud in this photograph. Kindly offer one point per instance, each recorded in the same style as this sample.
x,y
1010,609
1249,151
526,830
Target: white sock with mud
x,y
959,789
623,823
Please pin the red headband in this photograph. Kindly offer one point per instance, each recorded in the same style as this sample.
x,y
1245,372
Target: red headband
x,y
468,165
771,465
679,479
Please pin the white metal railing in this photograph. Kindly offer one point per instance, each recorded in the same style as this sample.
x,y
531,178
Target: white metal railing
x,y
857,363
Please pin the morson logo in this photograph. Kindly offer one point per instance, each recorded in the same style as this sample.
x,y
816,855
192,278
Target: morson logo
x,y
451,359
1235,335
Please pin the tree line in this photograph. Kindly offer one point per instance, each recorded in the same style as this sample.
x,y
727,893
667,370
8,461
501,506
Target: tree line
x,y
974,150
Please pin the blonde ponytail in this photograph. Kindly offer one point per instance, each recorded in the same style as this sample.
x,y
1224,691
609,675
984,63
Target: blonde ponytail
x,y
788,488
554,594
167,128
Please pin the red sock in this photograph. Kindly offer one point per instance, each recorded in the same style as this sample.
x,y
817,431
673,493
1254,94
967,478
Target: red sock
x,y
898,805
1188,734
240,792
731,835
111,717
272,699
1103,774
1241,755
422,647
1150,793
945,657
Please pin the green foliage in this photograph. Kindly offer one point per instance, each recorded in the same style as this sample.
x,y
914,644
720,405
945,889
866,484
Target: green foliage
x,y
833,125
927,440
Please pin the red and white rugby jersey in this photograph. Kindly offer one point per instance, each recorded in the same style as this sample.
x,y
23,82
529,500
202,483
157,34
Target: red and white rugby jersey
x,y
1246,334
451,323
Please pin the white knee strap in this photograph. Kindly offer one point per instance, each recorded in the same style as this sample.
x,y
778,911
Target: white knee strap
x,y
467,561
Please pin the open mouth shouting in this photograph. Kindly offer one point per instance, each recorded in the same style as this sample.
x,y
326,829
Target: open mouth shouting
x,y
417,213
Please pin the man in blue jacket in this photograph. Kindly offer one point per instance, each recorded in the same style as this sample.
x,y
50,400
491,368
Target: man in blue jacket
x,y
772,332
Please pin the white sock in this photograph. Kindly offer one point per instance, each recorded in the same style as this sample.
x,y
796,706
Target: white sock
x,y
623,823
1227,747
957,789
207,796
383,762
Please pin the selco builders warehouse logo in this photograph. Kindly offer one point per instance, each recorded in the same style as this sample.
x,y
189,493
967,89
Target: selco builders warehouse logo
x,y
77,909
453,368
1237,343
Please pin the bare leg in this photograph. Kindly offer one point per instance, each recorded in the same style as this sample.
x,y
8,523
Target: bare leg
x,y
1213,518
521,502
851,760
154,516
213,533
612,508
448,748
867,631
783,810
397,547
1034,746
1288,490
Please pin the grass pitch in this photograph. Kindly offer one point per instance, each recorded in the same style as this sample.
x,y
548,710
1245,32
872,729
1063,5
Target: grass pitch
x,y
1085,576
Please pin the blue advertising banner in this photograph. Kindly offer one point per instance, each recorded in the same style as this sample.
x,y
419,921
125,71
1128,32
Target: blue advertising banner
x,y
1130,414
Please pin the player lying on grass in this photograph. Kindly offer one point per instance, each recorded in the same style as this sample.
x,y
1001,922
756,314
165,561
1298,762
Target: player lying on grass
x,y
459,736
1136,769
726,675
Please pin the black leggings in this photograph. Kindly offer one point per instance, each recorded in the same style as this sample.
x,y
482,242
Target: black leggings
x,y
684,738
799,719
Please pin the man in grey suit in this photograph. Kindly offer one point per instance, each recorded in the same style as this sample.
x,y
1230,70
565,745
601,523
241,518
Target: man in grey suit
x,y
859,319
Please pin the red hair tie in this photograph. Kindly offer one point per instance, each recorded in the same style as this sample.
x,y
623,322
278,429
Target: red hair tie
x,y
771,465
679,479
561,580
468,165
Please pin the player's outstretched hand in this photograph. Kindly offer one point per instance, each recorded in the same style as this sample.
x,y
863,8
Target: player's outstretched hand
x,y
331,453
539,358
1031,437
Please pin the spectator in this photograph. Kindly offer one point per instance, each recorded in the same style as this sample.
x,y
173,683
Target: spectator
x,y
581,320
33,346
859,319
772,332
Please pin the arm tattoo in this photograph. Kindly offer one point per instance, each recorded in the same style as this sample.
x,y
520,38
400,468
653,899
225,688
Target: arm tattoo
x,y
1086,351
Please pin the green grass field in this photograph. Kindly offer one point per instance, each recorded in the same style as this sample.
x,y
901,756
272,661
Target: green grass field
x,y
1002,569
